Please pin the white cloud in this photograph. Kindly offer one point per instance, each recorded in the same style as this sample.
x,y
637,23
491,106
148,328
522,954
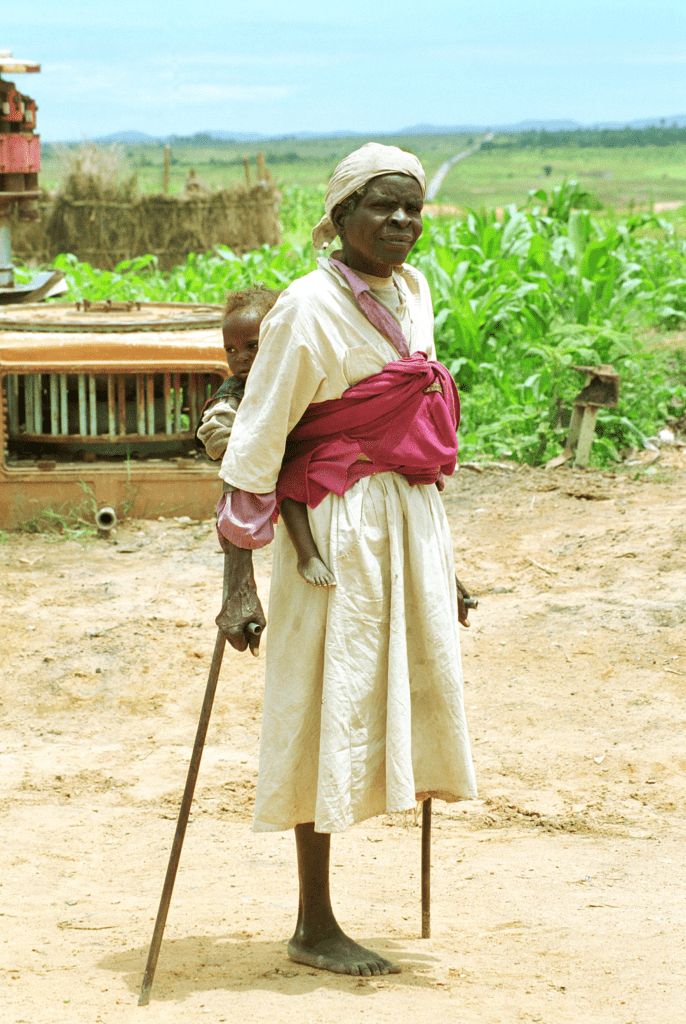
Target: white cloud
x,y
117,84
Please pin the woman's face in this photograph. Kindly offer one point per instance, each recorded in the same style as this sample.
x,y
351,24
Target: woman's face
x,y
241,333
384,226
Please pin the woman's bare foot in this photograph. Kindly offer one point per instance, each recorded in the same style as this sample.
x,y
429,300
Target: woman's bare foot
x,y
339,954
315,572
319,940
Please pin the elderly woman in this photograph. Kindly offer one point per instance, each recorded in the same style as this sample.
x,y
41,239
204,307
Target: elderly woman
x,y
347,410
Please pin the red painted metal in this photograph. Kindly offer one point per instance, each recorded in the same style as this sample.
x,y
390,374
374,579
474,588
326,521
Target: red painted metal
x,y
19,166
19,153
13,105
19,143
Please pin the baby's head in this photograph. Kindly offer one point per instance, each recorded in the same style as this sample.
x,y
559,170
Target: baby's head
x,y
243,315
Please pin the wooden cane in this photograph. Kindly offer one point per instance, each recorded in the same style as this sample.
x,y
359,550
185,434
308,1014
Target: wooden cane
x,y
426,868
185,809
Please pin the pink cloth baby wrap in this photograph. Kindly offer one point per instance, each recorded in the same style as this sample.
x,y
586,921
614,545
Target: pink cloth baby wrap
x,y
403,419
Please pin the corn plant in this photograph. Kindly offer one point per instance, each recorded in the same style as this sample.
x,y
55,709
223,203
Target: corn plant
x,y
517,303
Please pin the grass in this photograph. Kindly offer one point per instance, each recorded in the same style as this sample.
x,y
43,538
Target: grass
x,y
519,304
204,277
73,523
621,177
306,164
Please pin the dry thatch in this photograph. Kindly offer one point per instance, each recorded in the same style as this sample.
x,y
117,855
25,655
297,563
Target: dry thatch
x,y
98,216
92,173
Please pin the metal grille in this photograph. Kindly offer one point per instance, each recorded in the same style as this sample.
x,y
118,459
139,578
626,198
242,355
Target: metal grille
x,y
114,406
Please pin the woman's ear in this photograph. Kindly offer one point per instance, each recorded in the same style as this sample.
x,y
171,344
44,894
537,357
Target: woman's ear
x,y
338,219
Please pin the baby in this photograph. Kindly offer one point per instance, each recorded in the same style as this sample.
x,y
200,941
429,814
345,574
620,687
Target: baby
x,y
241,321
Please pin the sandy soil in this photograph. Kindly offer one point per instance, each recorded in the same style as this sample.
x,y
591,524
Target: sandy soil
x,y
558,896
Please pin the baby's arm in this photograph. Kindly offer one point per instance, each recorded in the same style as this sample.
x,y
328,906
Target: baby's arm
x,y
310,565
216,426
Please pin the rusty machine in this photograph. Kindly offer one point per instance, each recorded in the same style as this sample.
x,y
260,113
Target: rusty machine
x,y
96,398
19,167
100,398
104,402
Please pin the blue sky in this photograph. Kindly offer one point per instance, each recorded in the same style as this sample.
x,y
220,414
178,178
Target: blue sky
x,y
281,66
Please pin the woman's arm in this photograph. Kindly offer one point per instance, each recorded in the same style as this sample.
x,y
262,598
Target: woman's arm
x,y
282,382
243,605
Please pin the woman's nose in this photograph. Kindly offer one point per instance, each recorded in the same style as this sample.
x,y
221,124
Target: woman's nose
x,y
399,216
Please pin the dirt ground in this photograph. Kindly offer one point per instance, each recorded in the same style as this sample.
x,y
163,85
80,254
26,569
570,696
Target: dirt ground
x,y
558,895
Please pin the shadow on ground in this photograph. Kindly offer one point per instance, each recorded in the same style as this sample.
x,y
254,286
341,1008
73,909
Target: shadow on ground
x,y
202,963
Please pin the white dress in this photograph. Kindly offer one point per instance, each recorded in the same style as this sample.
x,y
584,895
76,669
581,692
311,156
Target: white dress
x,y
363,710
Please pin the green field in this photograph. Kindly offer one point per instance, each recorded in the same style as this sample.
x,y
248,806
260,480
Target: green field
x,y
621,178
518,303
579,274
220,164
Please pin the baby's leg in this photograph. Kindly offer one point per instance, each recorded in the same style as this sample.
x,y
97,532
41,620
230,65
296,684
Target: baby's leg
x,y
310,565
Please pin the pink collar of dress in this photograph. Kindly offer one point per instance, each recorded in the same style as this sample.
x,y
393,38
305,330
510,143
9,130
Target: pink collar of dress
x,y
377,314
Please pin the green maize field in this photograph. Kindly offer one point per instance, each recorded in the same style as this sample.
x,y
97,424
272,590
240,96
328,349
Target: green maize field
x,y
517,304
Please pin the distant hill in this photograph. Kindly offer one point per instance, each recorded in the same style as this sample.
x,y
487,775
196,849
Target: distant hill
x,y
223,135
538,126
130,136
458,129
478,129
219,136
645,122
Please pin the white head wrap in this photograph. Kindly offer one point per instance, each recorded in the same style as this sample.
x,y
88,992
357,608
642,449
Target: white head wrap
x,y
354,171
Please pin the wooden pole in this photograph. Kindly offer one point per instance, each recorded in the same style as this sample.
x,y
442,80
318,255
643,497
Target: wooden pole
x,y
261,168
185,809
426,868
184,812
165,181
246,164
583,448
574,428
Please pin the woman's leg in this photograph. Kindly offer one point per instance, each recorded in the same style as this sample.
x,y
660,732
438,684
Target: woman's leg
x,y
310,565
319,940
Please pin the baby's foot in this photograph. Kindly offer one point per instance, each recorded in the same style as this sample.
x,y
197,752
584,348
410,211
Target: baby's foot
x,y
315,572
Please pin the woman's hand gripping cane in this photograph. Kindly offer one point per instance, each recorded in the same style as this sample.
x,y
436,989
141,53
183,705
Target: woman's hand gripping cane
x,y
464,602
241,619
